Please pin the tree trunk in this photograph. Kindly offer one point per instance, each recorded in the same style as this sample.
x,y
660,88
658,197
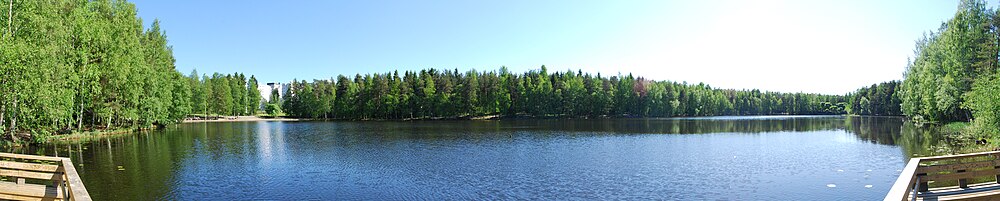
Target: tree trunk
x,y
10,16
79,118
79,123
3,115
13,122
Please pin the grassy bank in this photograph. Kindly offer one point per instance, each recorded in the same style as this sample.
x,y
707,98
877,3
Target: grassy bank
x,y
962,137
90,135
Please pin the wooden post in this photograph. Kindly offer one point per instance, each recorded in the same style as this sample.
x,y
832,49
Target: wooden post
x,y
73,183
922,186
997,176
962,183
905,185
996,157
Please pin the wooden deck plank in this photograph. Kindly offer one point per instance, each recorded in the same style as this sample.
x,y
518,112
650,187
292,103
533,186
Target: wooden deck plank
x,y
18,197
958,166
31,190
962,175
985,195
954,190
937,158
31,157
29,166
32,175
62,175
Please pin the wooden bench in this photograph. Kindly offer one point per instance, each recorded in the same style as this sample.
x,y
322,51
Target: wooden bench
x,y
953,176
31,177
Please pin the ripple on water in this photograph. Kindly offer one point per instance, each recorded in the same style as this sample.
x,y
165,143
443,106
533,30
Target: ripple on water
x,y
502,160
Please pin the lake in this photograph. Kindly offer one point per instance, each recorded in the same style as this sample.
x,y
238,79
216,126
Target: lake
x,y
713,158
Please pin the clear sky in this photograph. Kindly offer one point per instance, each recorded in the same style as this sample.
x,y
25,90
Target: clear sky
x,y
821,46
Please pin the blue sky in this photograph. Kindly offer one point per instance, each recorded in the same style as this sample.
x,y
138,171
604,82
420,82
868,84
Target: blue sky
x,y
821,46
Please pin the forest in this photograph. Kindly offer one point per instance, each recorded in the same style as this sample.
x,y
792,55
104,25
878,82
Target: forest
x,y
433,93
877,100
953,75
74,66
219,94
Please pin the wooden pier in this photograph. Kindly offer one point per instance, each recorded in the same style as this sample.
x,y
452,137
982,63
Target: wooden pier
x,y
973,176
31,177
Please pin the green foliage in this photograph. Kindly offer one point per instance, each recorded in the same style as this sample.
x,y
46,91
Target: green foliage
x,y
984,102
948,61
879,99
198,93
71,64
223,94
253,96
89,65
273,109
275,97
221,98
434,93
953,76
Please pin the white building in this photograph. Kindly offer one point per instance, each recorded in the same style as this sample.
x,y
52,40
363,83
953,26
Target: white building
x,y
265,91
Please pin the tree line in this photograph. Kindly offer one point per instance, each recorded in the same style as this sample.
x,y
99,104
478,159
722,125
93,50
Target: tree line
x,y
229,94
953,75
877,100
434,93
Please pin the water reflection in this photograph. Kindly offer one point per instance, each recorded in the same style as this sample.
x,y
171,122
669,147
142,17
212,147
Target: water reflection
x,y
271,142
881,130
913,140
423,159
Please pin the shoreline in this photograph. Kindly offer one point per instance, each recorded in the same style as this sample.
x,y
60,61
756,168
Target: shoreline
x,y
101,134
502,117
90,135
240,119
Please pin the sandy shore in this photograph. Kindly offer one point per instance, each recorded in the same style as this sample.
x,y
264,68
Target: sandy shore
x,y
240,118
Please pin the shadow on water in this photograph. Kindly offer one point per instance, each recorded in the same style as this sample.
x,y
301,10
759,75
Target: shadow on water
x,y
914,141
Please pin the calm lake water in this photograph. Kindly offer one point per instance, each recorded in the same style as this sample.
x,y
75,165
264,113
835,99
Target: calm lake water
x,y
718,158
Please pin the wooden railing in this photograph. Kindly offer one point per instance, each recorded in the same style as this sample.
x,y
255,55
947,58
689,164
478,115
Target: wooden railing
x,y
913,181
31,177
